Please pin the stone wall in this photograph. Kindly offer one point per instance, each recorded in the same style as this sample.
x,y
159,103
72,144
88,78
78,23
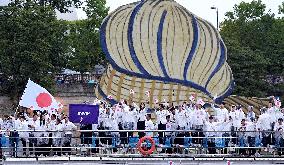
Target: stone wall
x,y
65,93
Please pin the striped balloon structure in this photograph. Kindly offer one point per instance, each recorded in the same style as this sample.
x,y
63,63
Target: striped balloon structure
x,y
161,47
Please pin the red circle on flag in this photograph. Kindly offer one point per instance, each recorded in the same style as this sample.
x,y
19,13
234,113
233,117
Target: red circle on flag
x,y
43,100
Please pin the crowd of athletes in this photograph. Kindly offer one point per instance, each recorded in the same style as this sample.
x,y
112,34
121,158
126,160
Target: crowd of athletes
x,y
211,128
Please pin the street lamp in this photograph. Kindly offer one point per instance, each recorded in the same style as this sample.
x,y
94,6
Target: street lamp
x,y
217,13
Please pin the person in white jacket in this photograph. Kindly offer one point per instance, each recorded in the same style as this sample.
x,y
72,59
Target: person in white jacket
x,y
211,127
162,113
141,115
264,124
23,134
149,125
199,117
272,113
221,113
237,115
33,126
250,114
68,128
57,137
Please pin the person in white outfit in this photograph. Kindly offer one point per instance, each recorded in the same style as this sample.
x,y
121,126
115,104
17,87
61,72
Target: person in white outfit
x,y
57,137
251,134
149,125
33,126
68,128
250,114
211,127
237,115
23,134
141,115
199,117
221,113
264,124
162,113
181,118
272,113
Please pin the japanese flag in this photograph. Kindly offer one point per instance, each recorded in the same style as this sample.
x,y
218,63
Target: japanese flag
x,y
36,97
200,101
110,97
156,101
166,103
191,98
147,93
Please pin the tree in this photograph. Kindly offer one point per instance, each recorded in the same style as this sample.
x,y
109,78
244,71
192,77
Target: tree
x,y
281,8
254,38
34,47
85,50
60,5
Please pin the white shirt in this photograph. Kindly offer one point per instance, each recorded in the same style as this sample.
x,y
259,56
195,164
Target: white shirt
x,y
68,127
250,126
51,125
272,113
264,122
181,119
210,127
24,127
7,125
225,126
278,115
107,120
189,117
16,124
237,116
141,116
199,116
58,131
118,114
161,116
221,114
35,124
149,126
101,115
28,118
129,116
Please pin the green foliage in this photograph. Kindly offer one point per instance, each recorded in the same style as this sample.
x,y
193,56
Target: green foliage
x,y
281,8
32,46
96,11
247,11
83,38
255,42
60,5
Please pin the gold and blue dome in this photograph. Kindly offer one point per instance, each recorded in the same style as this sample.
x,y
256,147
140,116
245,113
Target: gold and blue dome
x,y
160,46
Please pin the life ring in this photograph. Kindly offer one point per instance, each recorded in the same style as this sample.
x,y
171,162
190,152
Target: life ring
x,y
146,152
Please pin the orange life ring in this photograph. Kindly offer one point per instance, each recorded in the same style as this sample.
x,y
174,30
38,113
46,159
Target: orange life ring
x,y
146,152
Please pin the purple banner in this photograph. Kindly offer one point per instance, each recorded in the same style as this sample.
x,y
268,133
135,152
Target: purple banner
x,y
83,113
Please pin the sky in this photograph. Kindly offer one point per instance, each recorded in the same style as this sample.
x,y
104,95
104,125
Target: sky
x,y
201,8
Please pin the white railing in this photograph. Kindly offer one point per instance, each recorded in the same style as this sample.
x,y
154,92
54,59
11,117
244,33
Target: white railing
x,y
123,143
